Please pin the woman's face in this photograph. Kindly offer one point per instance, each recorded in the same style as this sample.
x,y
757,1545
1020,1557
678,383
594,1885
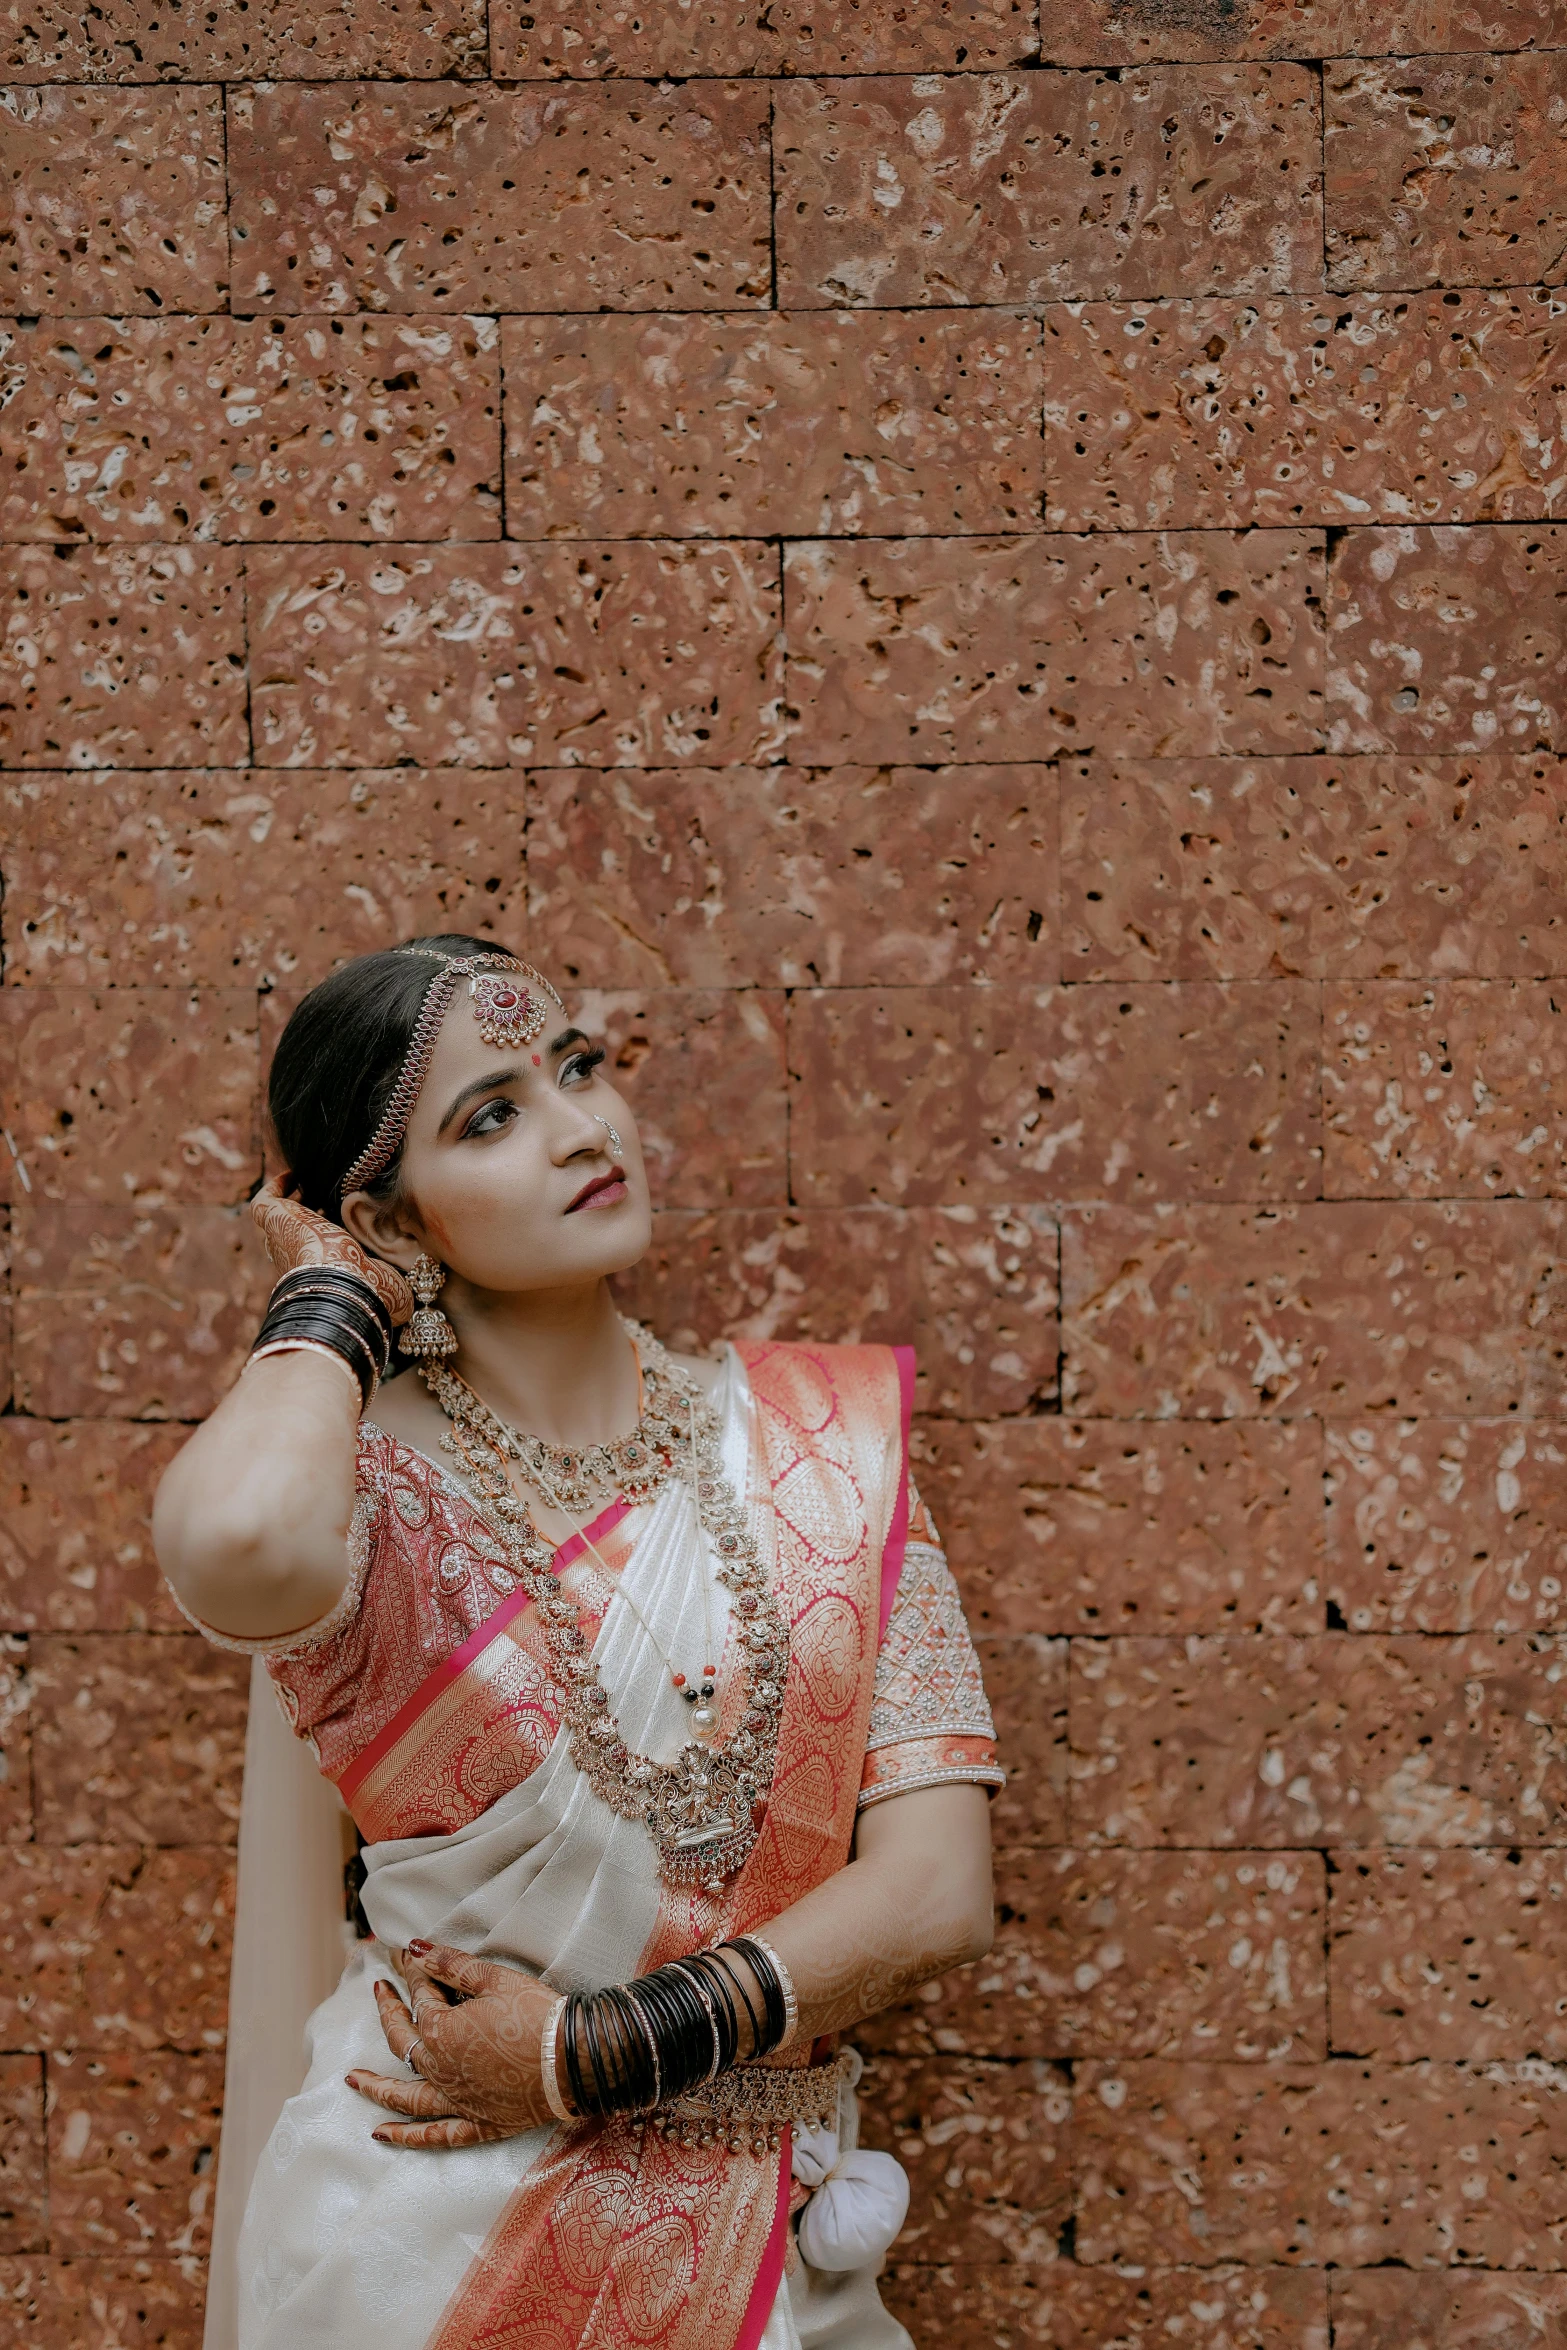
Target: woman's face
x,y
508,1172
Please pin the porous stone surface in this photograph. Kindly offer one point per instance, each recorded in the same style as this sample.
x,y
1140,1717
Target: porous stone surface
x,y
1096,1526
1440,1089
1184,1955
815,422
133,2143
251,877
252,428
158,2299
1441,170
118,655
1346,2164
1448,638
1338,1307
985,589
612,655
1381,2311
998,188
1224,414
796,877
177,41
935,649
579,38
75,1543
1353,868
115,200
1447,1954
484,198
1447,1525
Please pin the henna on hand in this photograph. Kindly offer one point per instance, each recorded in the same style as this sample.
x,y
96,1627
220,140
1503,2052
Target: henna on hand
x,y
477,2056
295,1235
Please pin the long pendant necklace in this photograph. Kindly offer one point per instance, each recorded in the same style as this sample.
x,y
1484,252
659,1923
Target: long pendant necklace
x,y
705,1809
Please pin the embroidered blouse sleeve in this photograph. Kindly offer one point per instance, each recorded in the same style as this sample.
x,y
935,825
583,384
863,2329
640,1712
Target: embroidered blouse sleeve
x,y
930,1720
361,1550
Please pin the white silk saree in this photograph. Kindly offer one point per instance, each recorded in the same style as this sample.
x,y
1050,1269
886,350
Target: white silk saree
x,y
427,1700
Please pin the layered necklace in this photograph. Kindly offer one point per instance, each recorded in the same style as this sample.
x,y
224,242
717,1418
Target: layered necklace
x,y
705,1809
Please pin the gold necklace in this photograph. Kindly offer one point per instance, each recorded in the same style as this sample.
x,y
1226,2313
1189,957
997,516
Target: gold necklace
x,y
705,1809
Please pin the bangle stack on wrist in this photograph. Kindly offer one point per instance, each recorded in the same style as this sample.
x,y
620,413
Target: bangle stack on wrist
x,y
332,1310
641,2044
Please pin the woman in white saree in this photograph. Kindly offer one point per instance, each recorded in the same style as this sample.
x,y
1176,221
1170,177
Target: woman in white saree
x,y
644,1680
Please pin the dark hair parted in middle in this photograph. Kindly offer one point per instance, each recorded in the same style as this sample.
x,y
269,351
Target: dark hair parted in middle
x,y
338,1060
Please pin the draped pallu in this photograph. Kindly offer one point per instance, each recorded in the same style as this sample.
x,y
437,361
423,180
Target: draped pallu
x,y
602,2235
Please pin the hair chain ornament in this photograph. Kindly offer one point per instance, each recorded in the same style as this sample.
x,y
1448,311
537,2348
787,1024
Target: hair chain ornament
x,y
508,1015
704,1810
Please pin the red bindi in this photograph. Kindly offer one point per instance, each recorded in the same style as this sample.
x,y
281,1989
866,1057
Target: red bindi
x,y
537,1062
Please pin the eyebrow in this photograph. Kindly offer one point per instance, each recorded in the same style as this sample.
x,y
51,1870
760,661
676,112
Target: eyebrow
x,y
485,1084
498,1077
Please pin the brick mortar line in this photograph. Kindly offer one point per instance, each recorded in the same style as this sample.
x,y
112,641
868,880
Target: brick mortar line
x,y
1115,69
784,540
739,314
1019,308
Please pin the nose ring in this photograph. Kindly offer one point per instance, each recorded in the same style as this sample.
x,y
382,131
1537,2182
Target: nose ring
x,y
615,1143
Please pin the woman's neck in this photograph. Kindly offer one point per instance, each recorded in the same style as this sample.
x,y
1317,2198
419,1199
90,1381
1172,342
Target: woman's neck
x,y
555,1363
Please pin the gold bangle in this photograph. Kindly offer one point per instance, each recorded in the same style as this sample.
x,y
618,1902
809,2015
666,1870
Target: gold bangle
x,y
552,2094
313,1346
786,1985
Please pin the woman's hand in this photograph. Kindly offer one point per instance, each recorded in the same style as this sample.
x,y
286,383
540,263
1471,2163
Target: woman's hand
x,y
473,2037
296,1235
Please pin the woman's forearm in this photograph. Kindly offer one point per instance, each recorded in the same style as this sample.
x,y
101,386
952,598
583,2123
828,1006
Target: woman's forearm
x,y
251,1520
915,1901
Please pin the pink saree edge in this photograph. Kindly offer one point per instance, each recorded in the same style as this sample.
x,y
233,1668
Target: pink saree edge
x,y
898,1531
445,1673
769,2275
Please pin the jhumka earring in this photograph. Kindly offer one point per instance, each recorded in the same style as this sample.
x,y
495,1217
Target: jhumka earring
x,y
428,1335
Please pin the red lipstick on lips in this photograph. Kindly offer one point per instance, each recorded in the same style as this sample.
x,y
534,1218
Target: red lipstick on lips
x,y
602,1191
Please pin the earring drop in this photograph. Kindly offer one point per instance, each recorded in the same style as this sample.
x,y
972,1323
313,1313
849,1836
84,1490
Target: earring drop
x,y
428,1335
615,1143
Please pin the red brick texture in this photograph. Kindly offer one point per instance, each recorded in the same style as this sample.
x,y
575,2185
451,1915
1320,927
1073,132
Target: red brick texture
x,y
988,585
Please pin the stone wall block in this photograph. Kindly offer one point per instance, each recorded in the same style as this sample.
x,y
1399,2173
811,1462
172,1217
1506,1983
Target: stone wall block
x,y
119,656
816,423
1369,1740
1350,868
1066,1526
483,198
137,1736
1340,1307
784,876
1047,186
613,655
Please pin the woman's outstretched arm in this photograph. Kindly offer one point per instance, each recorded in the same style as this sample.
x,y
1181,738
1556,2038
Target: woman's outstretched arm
x,y
251,1520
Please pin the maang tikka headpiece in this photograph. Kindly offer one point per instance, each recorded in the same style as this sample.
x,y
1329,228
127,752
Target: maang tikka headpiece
x,y
508,1014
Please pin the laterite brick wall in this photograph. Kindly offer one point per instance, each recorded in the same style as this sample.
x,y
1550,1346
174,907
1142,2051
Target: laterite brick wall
x,y
987,589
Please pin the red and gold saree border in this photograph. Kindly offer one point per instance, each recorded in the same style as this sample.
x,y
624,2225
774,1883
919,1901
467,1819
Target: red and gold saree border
x,y
620,2238
418,1775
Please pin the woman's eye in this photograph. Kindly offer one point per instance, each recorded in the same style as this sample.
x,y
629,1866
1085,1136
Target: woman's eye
x,y
493,1118
581,1066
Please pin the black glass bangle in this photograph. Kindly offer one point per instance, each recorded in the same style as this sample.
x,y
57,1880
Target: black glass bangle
x,y
758,2029
354,1347
317,1317
773,2000
331,1298
334,1329
336,1277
